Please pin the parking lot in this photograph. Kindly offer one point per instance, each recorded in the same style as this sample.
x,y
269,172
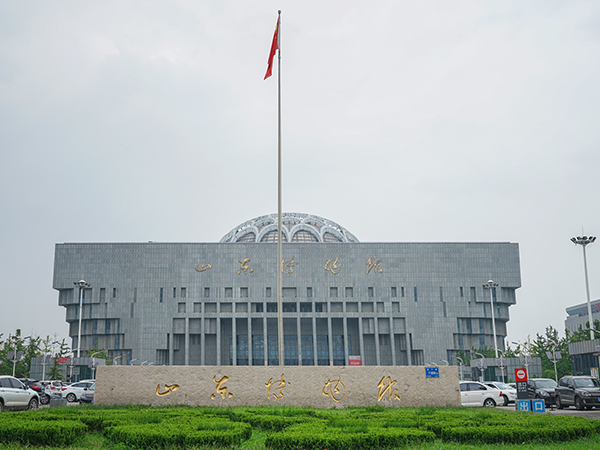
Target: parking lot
x,y
589,414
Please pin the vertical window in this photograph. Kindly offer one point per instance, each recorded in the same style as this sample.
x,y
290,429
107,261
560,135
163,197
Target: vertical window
x,y
161,295
183,292
228,292
402,289
268,292
243,292
473,295
333,292
181,307
206,292
134,295
174,292
102,295
197,307
441,294
461,292
309,292
114,292
371,292
394,294
416,295
107,326
349,292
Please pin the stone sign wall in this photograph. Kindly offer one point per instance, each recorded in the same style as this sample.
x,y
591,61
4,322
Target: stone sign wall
x,y
320,386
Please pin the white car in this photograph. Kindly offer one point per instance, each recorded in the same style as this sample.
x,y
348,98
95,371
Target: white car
x,y
508,392
73,392
15,395
473,393
53,388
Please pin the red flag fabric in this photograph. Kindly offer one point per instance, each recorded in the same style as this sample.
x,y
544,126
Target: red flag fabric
x,y
274,48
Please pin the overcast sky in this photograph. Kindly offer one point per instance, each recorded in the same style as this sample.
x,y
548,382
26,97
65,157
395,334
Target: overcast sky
x,y
403,121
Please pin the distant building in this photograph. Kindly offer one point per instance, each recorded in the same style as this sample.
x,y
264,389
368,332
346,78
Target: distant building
x,y
216,303
584,354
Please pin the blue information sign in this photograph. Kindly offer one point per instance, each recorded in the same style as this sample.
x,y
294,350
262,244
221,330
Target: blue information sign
x,y
432,372
523,405
538,406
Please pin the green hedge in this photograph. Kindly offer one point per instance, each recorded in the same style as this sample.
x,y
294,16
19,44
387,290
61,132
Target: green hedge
x,y
56,433
310,436
181,433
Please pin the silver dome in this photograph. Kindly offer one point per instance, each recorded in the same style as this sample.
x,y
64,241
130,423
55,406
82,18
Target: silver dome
x,y
296,227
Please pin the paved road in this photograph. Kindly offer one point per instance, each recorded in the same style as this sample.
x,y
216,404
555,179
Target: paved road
x,y
589,414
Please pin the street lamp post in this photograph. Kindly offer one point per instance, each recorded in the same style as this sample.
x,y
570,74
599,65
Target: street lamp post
x,y
81,285
94,364
583,241
491,286
460,365
114,361
481,365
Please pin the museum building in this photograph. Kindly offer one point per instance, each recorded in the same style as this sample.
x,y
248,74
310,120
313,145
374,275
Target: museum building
x,y
343,301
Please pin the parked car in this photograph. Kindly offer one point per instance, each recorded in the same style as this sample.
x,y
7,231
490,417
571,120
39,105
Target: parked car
x,y
542,388
53,388
579,391
74,391
473,393
15,395
38,388
88,394
509,393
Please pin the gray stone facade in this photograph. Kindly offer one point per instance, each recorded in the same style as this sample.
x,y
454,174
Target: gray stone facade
x,y
320,387
216,303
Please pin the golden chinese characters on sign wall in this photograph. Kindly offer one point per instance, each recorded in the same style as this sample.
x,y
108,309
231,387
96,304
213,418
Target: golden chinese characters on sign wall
x,y
386,385
221,389
277,385
334,389
168,389
333,266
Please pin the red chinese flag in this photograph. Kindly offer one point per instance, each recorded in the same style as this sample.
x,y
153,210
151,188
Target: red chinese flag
x,y
274,48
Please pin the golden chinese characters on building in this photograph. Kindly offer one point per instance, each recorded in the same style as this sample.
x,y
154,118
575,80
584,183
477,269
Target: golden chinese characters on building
x,y
333,266
244,268
202,267
288,265
374,264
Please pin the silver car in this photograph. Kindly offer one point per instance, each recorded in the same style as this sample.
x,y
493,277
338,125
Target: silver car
x,y
509,393
15,395
74,391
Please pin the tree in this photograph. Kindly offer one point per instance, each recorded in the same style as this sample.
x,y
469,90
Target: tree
x,y
551,342
57,371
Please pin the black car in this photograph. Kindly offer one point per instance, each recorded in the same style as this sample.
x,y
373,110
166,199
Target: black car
x,y
542,388
36,386
579,391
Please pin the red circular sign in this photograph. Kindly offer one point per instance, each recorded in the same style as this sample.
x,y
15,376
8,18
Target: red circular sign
x,y
521,374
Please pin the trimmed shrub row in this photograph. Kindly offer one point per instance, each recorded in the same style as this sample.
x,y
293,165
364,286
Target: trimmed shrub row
x,y
311,436
55,433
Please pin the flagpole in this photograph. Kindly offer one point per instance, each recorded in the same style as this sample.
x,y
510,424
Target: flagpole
x,y
279,250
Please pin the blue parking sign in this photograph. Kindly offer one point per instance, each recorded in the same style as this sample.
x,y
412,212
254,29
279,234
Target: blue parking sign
x,y
539,406
523,405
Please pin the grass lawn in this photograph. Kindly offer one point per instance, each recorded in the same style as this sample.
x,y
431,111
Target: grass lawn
x,y
290,428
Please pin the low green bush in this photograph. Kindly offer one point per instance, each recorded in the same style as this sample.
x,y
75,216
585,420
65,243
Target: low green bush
x,y
182,432
311,436
57,433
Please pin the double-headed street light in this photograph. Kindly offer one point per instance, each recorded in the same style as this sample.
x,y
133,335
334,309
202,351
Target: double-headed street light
x,y
583,241
491,286
81,285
